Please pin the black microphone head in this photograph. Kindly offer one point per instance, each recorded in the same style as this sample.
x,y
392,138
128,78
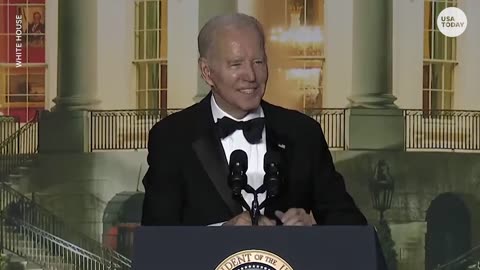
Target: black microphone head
x,y
239,158
272,179
237,178
271,157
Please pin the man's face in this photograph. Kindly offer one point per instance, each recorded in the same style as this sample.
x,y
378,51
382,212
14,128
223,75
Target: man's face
x,y
237,70
36,18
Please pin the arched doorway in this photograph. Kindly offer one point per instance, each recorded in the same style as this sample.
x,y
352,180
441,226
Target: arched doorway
x,y
122,215
448,230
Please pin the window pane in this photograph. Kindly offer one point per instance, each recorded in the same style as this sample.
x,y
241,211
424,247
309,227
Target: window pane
x,y
17,85
140,45
427,44
162,53
36,100
163,99
153,100
426,100
152,16
141,16
448,101
439,6
439,46
162,47
160,23
436,100
36,80
448,76
451,48
426,76
163,84
3,48
141,77
427,11
315,11
152,44
437,76
153,80
141,100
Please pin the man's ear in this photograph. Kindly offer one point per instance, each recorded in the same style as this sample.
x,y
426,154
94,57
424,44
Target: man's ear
x,y
205,70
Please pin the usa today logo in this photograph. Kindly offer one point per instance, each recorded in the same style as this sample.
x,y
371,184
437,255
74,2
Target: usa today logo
x,y
452,22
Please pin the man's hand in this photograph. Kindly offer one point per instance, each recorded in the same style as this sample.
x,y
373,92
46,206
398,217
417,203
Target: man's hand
x,y
264,221
244,219
295,217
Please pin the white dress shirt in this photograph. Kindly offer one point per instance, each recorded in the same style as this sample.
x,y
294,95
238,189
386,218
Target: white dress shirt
x,y
255,152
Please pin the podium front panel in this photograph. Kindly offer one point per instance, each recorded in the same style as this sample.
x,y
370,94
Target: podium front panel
x,y
265,248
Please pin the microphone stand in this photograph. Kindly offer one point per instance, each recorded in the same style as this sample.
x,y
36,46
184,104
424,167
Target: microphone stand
x,y
256,207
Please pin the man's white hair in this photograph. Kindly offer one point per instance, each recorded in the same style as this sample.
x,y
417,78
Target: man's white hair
x,y
210,31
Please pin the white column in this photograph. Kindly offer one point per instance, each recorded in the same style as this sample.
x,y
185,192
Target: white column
x,y
66,128
77,55
372,54
374,120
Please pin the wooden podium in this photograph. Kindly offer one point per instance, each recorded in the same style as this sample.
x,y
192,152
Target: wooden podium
x,y
257,248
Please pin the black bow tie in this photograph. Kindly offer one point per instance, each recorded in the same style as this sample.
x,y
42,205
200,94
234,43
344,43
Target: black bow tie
x,y
252,129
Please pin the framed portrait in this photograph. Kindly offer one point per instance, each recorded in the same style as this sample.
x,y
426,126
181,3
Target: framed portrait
x,y
33,22
34,27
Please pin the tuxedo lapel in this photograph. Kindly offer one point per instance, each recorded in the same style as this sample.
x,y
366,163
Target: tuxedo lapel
x,y
276,143
209,151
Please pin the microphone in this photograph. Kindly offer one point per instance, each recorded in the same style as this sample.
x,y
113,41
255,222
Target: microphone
x,y
272,179
237,178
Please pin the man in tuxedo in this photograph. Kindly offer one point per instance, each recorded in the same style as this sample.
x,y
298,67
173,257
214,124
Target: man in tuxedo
x,y
189,151
36,29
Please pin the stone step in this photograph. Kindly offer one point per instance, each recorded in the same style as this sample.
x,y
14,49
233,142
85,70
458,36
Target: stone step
x,y
18,262
61,266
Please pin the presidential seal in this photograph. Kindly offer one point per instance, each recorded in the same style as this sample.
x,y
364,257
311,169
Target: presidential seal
x,y
254,260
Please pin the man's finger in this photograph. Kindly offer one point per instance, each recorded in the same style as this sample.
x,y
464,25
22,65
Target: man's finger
x,y
279,214
291,213
264,221
296,217
291,221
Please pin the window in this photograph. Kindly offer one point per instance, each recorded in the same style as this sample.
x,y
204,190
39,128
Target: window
x,y
439,60
299,34
151,54
22,57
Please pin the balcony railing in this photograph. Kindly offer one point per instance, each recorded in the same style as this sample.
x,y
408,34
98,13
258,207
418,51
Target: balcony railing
x,y
8,125
424,129
128,129
123,129
333,125
442,129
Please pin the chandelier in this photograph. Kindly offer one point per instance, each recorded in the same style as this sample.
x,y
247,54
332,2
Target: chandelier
x,y
302,39
303,44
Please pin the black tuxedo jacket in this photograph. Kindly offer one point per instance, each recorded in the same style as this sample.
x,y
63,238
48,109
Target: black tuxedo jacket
x,y
186,183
